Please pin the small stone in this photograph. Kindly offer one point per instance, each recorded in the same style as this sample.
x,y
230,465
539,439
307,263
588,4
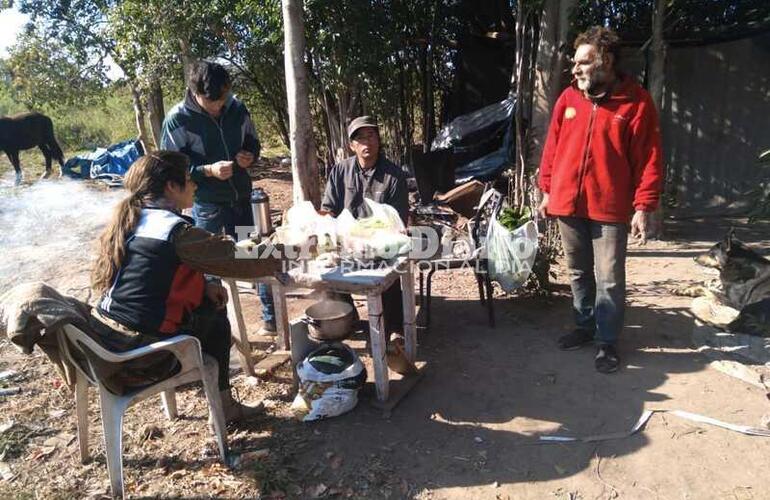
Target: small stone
x,y
478,439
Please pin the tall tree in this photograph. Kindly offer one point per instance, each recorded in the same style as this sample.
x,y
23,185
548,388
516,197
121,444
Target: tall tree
x,y
551,68
82,27
304,166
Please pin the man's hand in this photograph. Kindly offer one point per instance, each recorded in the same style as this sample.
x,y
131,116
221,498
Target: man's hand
x,y
541,209
639,224
222,170
244,158
217,294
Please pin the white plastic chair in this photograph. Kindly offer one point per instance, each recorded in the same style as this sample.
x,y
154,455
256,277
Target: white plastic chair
x,y
187,350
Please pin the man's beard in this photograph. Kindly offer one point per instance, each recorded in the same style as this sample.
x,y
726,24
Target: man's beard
x,y
595,83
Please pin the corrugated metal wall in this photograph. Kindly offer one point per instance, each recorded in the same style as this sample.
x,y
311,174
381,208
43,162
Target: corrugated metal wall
x,y
715,120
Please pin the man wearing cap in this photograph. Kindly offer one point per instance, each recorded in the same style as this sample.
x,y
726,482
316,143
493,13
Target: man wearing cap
x,y
368,174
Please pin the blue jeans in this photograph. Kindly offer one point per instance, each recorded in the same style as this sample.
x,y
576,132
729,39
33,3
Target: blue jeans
x,y
596,258
218,218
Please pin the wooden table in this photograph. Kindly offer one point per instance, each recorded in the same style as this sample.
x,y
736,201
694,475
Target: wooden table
x,y
368,282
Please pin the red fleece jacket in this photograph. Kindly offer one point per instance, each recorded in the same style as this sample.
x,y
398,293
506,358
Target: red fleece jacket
x,y
603,160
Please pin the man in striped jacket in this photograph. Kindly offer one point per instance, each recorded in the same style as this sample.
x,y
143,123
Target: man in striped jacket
x,y
214,129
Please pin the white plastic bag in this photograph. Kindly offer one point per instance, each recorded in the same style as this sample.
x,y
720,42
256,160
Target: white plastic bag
x,y
511,254
302,222
323,395
381,235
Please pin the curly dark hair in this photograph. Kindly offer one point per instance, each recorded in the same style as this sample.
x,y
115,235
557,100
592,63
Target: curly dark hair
x,y
604,39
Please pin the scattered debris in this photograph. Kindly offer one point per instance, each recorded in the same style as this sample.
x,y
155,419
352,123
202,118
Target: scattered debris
x,y
6,474
13,440
10,391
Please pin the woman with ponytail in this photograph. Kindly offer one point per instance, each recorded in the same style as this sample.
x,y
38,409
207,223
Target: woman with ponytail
x,y
149,273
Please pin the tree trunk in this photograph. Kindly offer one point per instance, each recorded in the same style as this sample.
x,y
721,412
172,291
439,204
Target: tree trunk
x,y
303,153
141,127
658,54
656,81
156,110
428,101
187,58
552,68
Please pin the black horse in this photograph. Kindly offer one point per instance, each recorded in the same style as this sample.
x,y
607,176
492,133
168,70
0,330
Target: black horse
x,y
25,131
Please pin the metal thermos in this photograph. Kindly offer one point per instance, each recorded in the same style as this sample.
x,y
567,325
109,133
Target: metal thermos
x,y
260,209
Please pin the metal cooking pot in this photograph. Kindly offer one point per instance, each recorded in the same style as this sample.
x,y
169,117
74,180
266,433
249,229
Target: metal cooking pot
x,y
330,319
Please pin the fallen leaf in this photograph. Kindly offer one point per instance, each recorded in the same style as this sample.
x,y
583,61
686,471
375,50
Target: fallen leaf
x,y
317,491
60,440
42,452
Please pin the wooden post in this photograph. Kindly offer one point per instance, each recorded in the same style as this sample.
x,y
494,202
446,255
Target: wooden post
x,y
378,340
238,326
410,330
281,315
304,168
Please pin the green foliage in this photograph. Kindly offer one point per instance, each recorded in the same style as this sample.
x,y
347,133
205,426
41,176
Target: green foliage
x,y
685,19
511,218
43,75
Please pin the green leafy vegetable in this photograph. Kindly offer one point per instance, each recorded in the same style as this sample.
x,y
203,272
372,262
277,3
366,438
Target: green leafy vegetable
x,y
511,218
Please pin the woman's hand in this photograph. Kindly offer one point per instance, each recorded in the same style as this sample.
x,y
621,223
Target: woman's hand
x,y
217,294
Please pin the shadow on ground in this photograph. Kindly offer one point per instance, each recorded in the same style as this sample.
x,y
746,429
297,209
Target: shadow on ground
x,y
488,392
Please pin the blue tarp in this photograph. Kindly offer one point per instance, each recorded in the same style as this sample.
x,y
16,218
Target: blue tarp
x,y
104,163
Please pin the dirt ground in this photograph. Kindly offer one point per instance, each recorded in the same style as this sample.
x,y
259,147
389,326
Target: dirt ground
x,y
467,430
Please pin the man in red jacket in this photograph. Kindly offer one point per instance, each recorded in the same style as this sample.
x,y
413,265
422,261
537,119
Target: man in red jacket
x,y
601,166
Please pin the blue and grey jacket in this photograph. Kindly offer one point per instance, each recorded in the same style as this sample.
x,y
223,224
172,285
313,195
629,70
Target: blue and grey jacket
x,y
205,140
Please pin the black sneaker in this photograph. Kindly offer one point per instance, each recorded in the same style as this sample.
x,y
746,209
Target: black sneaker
x,y
575,340
607,360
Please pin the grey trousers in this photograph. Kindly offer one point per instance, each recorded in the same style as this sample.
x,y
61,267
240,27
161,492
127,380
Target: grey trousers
x,y
596,258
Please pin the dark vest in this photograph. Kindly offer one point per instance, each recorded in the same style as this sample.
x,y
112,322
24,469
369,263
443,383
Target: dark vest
x,y
153,291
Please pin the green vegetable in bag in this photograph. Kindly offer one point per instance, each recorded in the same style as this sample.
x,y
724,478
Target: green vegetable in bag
x,y
511,218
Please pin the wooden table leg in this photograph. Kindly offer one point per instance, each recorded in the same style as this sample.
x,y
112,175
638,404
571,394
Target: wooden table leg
x,y
410,330
281,316
378,341
238,327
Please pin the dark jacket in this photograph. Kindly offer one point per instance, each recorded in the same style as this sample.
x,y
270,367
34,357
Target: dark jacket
x,y
349,184
206,140
603,159
162,281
